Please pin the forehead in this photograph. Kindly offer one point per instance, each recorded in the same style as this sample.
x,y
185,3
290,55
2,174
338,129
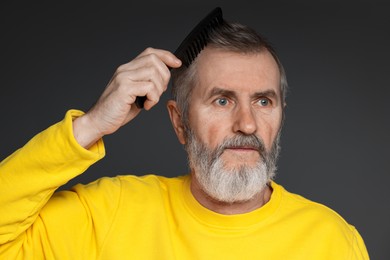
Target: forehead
x,y
234,71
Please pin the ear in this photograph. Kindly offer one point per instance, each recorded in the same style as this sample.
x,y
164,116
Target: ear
x,y
176,120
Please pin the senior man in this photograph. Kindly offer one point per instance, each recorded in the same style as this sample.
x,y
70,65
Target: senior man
x,y
227,111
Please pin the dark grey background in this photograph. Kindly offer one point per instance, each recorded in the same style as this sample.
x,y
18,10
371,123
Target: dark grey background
x,y
334,146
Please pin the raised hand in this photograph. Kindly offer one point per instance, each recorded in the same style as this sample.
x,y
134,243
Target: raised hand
x,y
146,75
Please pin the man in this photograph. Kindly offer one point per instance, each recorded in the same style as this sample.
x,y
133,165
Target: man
x,y
227,111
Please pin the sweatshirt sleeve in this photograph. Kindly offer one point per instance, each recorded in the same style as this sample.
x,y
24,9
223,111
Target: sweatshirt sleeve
x,y
358,249
29,176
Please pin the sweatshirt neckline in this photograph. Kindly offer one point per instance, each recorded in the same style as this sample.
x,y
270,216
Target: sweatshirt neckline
x,y
237,221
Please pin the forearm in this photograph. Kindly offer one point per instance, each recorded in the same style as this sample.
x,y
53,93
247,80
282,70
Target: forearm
x,y
29,177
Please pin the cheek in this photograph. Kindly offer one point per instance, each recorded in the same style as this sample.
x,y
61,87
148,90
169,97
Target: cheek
x,y
268,128
210,130
214,133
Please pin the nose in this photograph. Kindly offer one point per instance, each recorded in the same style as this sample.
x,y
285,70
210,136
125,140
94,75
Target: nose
x,y
244,120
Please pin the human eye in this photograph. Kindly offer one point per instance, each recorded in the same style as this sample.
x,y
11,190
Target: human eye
x,y
264,102
222,101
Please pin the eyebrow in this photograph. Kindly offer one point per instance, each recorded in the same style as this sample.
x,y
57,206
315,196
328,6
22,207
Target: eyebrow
x,y
221,92
216,91
268,93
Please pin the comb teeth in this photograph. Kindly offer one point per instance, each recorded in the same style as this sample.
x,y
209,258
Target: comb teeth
x,y
194,43
198,38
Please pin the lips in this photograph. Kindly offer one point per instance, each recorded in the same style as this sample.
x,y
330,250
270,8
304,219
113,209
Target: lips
x,y
241,144
243,148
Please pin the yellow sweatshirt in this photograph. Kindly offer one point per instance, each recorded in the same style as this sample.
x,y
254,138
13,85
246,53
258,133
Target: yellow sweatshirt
x,y
150,217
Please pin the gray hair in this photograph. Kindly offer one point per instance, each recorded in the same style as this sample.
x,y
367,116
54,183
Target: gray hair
x,y
232,37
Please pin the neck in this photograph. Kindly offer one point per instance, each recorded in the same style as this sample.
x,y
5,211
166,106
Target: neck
x,y
240,207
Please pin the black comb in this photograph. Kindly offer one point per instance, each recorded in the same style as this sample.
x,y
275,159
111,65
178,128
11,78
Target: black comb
x,y
194,43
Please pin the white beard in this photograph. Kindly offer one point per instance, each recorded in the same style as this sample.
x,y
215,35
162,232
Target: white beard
x,y
233,184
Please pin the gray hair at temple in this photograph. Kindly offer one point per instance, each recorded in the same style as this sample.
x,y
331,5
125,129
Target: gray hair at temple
x,y
232,37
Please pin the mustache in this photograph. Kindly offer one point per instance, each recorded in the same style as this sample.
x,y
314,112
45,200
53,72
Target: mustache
x,y
250,141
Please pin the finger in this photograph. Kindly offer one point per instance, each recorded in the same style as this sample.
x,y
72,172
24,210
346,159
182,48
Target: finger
x,y
147,61
165,56
154,74
140,89
140,82
128,90
150,69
